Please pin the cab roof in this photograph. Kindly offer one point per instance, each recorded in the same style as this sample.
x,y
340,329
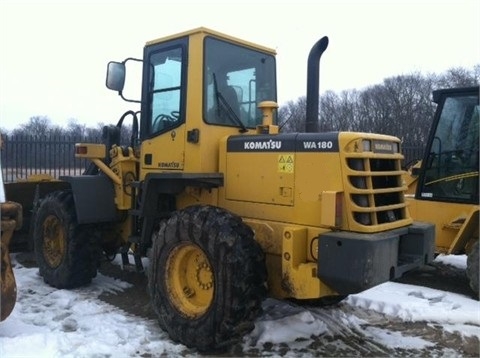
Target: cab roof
x,y
203,31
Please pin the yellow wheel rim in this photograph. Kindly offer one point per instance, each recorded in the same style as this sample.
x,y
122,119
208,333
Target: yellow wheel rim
x,y
53,241
189,280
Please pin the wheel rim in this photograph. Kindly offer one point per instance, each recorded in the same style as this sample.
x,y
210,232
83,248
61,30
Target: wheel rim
x,y
190,281
53,241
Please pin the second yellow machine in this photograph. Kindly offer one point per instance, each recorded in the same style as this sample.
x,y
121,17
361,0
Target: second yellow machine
x,y
229,209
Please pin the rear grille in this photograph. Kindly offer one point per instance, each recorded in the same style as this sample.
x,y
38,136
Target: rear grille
x,y
375,189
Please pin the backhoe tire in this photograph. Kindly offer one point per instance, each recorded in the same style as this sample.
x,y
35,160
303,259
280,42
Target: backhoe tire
x,y
207,277
67,253
472,268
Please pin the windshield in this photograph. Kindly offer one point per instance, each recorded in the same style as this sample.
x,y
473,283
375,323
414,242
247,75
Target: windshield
x,y
452,164
237,79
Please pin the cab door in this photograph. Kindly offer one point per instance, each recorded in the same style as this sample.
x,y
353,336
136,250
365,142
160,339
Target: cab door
x,y
163,106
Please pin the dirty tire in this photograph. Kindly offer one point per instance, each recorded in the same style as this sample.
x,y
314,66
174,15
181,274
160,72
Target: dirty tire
x,y
67,253
472,269
229,273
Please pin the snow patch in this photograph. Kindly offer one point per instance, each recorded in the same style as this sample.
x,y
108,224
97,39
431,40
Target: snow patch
x,y
396,339
458,261
416,303
287,329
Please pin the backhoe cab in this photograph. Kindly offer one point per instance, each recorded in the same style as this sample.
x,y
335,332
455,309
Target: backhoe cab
x,y
227,208
443,187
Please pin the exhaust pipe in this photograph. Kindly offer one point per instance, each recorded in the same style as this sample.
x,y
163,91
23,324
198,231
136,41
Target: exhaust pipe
x,y
313,80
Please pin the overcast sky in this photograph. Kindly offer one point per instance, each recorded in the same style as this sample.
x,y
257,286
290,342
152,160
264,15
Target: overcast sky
x,y
53,55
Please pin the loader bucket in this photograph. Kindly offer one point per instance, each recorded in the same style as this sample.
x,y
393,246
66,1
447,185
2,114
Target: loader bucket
x,y
11,214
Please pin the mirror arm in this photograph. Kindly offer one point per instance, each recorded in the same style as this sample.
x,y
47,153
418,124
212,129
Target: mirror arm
x,y
127,99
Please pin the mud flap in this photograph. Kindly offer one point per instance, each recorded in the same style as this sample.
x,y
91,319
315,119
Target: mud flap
x,y
352,262
94,197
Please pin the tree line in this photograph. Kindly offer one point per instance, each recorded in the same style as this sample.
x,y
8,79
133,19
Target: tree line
x,y
400,106
42,127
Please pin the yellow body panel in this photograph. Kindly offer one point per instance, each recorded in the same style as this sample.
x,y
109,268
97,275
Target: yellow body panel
x,y
268,183
291,258
290,197
456,224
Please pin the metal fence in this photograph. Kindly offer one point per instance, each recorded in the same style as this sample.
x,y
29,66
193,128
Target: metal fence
x,y
25,155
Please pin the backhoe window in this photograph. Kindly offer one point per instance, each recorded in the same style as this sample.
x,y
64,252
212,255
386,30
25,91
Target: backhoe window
x,y
164,88
452,164
236,80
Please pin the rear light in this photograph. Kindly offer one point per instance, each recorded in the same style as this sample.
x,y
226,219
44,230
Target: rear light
x,y
90,150
81,150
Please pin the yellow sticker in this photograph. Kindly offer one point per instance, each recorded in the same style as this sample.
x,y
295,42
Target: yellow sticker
x,y
285,163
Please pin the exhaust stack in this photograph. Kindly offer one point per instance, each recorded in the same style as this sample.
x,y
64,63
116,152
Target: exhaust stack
x,y
313,80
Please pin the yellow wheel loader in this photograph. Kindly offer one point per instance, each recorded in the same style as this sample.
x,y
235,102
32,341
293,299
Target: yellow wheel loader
x,y
443,186
228,209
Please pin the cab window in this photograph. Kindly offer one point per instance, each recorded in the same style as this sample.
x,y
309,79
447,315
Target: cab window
x,y
452,164
165,89
236,80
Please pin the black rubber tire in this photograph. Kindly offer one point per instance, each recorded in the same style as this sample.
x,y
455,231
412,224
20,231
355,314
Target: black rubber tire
x,y
472,269
239,274
78,262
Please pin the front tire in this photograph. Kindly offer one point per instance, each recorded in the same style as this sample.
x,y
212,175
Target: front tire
x,y
207,277
472,268
67,253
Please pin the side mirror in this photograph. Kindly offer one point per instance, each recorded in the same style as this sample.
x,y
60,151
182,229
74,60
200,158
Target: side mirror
x,y
115,76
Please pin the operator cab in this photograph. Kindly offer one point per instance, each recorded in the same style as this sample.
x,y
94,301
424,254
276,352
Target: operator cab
x,y
234,80
198,87
451,164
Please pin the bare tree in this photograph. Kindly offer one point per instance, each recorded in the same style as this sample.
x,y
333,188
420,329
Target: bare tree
x,y
458,77
37,125
399,106
292,116
76,129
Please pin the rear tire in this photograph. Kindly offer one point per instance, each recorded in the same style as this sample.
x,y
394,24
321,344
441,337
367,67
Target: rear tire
x,y
67,253
207,277
472,268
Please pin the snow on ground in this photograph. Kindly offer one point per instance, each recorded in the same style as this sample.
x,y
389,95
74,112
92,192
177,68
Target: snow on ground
x,y
415,303
47,322
458,261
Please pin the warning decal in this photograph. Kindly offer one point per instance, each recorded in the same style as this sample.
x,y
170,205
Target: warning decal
x,y
285,163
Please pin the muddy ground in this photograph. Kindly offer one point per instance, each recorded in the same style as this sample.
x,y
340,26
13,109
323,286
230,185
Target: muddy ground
x,y
340,340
